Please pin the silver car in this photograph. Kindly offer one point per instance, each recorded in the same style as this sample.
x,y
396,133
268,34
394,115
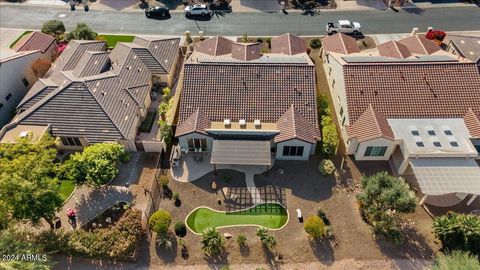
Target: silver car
x,y
197,9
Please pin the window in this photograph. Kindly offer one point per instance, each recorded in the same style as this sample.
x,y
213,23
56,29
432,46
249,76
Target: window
x,y
431,132
437,144
341,111
293,151
375,151
448,132
415,133
195,144
333,84
8,96
71,141
25,82
343,121
420,144
454,143
478,148
1,106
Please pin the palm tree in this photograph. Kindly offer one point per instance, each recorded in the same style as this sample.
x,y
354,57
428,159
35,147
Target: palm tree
x,y
213,242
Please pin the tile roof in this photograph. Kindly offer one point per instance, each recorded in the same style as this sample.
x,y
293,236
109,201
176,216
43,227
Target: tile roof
x,y
412,90
74,51
246,51
340,43
468,46
97,101
393,49
370,125
288,44
215,46
248,90
472,121
293,125
418,44
164,50
34,41
196,122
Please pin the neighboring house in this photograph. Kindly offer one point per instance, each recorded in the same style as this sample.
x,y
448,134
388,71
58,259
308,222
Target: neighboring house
x,y
410,103
91,95
245,107
37,41
464,46
16,77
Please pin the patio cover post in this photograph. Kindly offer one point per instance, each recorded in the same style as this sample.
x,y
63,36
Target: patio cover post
x,y
474,196
423,199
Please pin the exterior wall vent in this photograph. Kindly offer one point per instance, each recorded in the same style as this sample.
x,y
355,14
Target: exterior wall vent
x,y
23,134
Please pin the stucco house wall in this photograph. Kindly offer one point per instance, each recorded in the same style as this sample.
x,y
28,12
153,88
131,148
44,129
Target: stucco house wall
x,y
307,150
183,140
359,152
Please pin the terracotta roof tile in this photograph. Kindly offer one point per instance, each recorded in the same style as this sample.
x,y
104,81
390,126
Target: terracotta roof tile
x,y
420,45
246,51
370,125
292,125
196,122
393,49
288,44
472,121
215,46
34,41
340,43
412,90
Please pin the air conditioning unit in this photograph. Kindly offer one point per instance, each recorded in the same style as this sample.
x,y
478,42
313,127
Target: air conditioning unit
x,y
23,134
257,123
227,122
242,122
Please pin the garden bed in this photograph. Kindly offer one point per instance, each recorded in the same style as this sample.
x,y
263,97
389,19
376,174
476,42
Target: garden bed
x,y
107,218
147,124
269,215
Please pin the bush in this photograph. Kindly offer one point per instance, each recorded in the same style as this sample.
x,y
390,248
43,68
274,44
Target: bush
x,y
382,199
326,167
53,28
164,181
213,242
176,196
125,157
268,240
329,136
180,229
315,227
457,260
458,232
315,43
241,240
160,221
82,32
323,216
435,35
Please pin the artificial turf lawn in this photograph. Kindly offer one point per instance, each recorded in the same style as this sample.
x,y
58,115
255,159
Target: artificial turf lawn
x,y
16,40
270,215
113,39
66,188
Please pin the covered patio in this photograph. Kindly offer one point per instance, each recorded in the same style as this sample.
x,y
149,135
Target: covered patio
x,y
443,178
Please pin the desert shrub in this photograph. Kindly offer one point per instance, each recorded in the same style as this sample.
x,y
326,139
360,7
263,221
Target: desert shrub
x,y
329,136
160,221
125,157
457,260
213,242
326,167
315,43
164,181
176,196
268,240
180,229
315,227
458,232
323,216
241,239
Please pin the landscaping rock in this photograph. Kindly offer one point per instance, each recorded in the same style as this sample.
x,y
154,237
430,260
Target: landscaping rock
x,y
227,235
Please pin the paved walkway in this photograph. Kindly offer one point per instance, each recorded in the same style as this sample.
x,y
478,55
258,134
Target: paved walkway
x,y
88,202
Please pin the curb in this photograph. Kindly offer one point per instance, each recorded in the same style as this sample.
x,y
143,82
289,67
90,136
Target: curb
x,y
238,225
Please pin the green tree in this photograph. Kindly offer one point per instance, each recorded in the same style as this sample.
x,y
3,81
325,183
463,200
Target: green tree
x,y
53,28
329,136
82,32
165,131
458,231
160,221
268,240
213,242
315,227
28,183
96,165
457,260
14,242
382,199
166,93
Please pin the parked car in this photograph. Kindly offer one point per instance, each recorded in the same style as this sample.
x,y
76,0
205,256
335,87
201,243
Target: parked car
x,y
343,26
197,9
157,11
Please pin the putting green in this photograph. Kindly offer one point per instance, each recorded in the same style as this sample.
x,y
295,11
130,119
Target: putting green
x,y
270,215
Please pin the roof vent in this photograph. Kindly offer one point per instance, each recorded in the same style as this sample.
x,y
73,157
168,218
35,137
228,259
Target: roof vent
x,y
242,122
257,123
23,134
227,122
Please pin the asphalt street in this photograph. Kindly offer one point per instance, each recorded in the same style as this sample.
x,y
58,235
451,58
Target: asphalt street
x,y
373,22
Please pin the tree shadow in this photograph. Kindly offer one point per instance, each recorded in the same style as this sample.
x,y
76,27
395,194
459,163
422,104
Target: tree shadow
x,y
323,250
413,253
217,260
171,4
244,250
273,259
168,255
310,12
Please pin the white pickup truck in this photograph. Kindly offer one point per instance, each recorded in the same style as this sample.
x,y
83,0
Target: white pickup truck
x,y
343,26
